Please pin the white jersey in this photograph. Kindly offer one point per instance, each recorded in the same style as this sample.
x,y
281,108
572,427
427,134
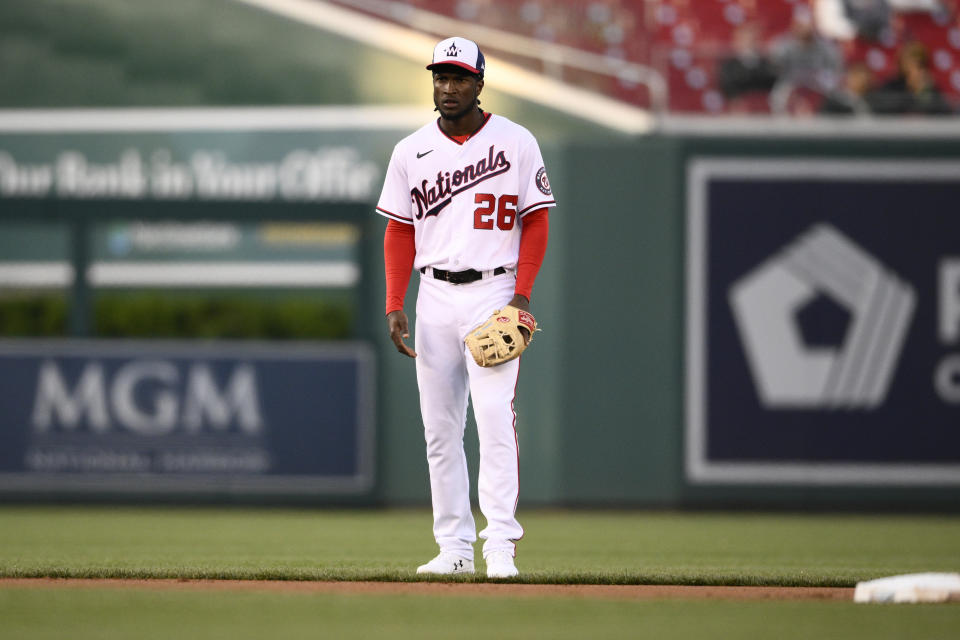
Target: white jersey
x,y
465,200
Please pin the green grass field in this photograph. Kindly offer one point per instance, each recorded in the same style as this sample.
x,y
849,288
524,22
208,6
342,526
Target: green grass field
x,y
560,546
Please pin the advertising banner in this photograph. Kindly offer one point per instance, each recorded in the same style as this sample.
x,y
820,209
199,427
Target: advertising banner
x,y
823,322
184,159
280,154
186,418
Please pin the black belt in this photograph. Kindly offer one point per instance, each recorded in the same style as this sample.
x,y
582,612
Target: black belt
x,y
461,277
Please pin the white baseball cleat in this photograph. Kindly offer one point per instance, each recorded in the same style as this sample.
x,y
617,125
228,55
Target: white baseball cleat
x,y
446,564
500,565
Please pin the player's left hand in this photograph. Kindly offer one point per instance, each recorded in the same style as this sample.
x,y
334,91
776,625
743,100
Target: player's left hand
x,y
520,302
499,339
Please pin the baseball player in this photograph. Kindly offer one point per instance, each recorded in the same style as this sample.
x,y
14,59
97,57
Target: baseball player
x,y
467,198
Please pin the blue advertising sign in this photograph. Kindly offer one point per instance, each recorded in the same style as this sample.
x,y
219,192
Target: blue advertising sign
x,y
178,417
823,322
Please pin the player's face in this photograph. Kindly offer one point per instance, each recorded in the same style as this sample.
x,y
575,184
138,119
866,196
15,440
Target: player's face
x,y
454,93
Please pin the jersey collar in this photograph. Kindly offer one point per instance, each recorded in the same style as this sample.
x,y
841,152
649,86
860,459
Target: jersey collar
x,y
486,119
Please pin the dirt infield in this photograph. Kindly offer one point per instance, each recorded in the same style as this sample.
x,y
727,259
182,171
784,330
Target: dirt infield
x,y
616,592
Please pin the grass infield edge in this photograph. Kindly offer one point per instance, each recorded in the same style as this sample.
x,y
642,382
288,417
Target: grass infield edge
x,y
353,575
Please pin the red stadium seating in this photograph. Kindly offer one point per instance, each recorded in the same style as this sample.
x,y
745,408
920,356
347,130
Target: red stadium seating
x,y
684,38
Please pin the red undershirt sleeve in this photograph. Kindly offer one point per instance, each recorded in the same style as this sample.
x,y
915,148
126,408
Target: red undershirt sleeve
x,y
399,250
533,246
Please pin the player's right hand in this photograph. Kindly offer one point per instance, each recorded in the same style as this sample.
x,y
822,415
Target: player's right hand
x,y
397,325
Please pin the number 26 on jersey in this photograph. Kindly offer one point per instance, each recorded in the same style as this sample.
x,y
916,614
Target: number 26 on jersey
x,y
502,210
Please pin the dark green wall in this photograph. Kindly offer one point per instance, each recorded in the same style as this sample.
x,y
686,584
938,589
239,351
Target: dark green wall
x,y
621,373
600,401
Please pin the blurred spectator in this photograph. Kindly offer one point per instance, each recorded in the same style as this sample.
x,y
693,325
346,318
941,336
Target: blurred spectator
x,y
747,69
870,17
805,59
856,96
849,19
912,90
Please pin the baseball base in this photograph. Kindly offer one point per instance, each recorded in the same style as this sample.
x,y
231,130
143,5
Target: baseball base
x,y
914,587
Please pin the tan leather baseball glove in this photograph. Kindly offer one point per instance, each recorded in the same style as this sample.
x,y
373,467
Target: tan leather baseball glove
x,y
499,339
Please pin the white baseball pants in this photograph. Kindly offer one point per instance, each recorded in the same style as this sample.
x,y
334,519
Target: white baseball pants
x,y
446,375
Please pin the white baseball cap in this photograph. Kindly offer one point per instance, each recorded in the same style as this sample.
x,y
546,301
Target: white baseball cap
x,y
459,52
